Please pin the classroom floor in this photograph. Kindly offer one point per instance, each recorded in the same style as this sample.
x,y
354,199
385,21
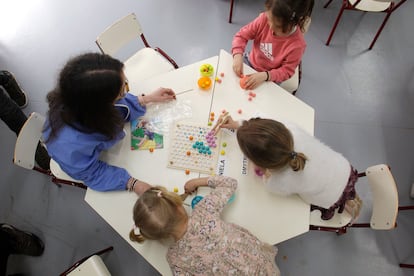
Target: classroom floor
x,y
363,102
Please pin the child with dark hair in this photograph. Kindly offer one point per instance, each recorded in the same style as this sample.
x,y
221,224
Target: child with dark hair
x,y
278,42
203,244
87,112
293,162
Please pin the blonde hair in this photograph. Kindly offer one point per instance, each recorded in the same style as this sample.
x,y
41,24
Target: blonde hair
x,y
156,214
269,144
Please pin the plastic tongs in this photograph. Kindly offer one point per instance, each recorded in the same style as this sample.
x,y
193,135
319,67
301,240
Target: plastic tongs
x,y
222,119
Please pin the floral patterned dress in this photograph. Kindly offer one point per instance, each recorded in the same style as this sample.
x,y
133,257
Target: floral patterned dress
x,y
212,246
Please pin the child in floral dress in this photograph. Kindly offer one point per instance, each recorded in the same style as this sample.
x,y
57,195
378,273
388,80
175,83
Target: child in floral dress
x,y
204,244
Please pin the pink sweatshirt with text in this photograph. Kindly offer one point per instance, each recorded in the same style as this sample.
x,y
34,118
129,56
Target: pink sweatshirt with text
x,y
280,55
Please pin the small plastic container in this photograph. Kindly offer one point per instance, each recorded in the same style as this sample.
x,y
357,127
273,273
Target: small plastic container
x,y
204,83
206,70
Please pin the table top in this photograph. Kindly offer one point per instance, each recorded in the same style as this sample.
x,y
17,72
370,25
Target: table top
x,y
271,218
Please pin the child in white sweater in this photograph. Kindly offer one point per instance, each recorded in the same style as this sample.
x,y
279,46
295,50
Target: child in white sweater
x,y
294,162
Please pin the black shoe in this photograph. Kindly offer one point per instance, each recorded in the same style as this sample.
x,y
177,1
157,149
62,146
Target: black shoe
x,y
42,157
21,242
14,90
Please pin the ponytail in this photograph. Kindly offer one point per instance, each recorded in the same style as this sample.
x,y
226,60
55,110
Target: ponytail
x,y
136,238
156,215
297,161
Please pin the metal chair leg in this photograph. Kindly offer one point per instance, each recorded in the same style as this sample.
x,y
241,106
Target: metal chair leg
x,y
59,181
381,27
407,265
335,24
231,10
70,269
327,4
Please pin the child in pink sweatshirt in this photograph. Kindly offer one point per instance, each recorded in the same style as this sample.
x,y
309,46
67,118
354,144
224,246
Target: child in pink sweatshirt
x,y
278,42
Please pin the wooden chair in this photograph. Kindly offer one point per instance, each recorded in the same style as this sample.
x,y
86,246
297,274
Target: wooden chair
x,y
147,61
91,265
385,6
384,205
25,151
27,141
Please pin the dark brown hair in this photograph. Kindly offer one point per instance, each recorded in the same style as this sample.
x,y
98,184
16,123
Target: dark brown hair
x,y
269,144
85,94
290,12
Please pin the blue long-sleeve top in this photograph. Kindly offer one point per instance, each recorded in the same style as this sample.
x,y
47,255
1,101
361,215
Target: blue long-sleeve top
x,y
78,152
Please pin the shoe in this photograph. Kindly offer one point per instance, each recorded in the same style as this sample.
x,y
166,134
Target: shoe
x,y
14,90
21,242
42,157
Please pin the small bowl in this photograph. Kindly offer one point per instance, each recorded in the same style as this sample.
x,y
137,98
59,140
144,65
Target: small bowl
x,y
204,83
206,70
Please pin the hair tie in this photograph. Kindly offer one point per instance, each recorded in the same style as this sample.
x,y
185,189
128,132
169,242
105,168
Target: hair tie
x,y
159,194
293,15
136,230
293,155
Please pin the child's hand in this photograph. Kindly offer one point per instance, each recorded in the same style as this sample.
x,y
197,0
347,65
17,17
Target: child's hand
x,y
160,95
254,80
238,64
192,185
140,187
226,121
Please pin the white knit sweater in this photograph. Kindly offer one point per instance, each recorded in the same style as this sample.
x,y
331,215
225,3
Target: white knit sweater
x,y
324,177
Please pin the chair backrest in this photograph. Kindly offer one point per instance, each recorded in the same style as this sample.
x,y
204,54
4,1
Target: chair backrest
x,y
93,266
385,197
371,5
119,34
27,140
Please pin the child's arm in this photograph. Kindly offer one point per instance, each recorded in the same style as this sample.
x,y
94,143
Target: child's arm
x,y
246,33
223,186
192,185
256,79
240,40
133,107
238,64
225,121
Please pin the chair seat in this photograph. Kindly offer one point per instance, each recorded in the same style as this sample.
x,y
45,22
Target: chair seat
x,y
385,197
145,64
291,84
59,173
91,267
338,220
371,5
